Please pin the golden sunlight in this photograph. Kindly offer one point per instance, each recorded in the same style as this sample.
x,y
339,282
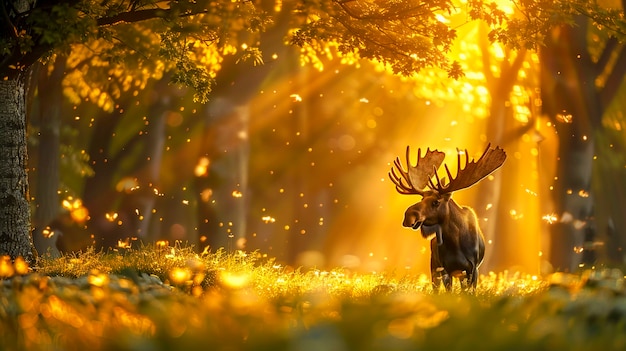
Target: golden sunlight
x,y
366,231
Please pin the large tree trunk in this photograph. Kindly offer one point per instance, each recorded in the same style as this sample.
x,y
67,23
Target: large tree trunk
x,y
15,238
610,196
570,96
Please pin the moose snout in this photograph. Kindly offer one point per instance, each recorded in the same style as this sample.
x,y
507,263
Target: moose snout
x,y
412,218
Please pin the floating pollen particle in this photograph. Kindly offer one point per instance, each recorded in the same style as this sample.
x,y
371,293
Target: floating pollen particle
x,y
268,219
47,232
564,117
124,244
112,216
206,194
202,168
550,218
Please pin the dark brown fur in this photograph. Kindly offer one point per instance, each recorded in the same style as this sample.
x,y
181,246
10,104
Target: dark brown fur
x,y
459,246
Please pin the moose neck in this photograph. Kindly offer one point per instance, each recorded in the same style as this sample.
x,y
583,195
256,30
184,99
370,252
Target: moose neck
x,y
435,229
444,225
453,206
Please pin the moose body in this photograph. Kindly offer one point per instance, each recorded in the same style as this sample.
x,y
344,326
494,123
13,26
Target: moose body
x,y
457,245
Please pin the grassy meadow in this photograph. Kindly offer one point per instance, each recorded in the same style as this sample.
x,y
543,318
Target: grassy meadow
x,y
170,298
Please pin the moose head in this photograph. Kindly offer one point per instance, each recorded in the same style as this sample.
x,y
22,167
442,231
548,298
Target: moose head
x,y
459,244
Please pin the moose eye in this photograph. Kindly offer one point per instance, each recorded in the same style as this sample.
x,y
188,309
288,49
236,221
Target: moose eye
x,y
435,203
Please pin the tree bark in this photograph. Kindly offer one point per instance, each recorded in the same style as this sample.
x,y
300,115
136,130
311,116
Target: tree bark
x,y
15,238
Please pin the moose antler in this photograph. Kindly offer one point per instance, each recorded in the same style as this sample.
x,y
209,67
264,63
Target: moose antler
x,y
473,171
415,178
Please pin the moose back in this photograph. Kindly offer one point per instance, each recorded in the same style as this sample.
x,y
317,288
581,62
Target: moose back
x,y
457,245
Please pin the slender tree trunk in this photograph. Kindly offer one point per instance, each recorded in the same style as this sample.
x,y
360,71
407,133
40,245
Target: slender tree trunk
x,y
15,238
306,237
223,219
493,204
488,201
150,163
99,194
49,120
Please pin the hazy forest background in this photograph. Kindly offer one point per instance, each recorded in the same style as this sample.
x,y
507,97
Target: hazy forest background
x,y
288,153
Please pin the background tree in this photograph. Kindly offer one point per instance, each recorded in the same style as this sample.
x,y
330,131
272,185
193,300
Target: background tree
x,y
582,60
46,116
583,72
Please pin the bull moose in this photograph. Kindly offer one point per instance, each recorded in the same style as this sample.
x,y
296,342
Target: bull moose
x,y
457,243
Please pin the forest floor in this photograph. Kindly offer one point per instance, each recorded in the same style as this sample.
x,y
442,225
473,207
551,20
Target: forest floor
x,y
170,298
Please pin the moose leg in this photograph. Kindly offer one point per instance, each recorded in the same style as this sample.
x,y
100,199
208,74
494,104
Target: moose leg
x,y
447,280
439,275
436,274
436,279
473,281
469,279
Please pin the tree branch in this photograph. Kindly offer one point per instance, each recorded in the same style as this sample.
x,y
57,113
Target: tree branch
x,y
145,14
8,25
607,52
615,79
405,13
133,16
